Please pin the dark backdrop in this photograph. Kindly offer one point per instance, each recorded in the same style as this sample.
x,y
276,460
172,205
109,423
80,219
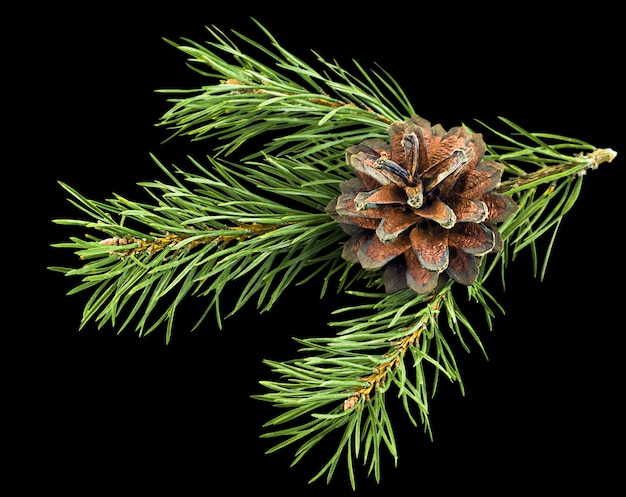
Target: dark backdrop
x,y
93,410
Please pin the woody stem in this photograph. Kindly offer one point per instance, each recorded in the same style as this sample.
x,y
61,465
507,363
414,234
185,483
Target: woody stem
x,y
593,160
380,373
156,244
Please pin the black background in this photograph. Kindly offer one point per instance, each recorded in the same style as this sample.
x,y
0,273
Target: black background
x,y
91,410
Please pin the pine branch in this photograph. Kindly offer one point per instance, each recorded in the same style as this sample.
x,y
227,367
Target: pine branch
x,y
305,109
199,235
262,218
545,193
340,383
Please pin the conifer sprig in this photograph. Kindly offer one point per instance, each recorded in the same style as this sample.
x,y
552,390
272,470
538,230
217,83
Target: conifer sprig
x,y
302,108
395,345
202,231
261,219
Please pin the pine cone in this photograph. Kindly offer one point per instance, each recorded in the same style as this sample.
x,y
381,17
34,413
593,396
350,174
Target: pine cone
x,y
421,206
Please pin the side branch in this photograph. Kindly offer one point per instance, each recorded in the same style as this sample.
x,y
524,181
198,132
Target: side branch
x,y
157,244
592,159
